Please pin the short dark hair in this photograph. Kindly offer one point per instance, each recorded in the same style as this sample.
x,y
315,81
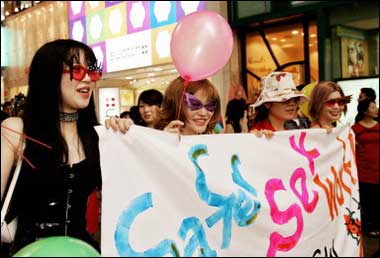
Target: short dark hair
x,y
125,114
7,103
134,114
234,112
369,92
151,97
362,108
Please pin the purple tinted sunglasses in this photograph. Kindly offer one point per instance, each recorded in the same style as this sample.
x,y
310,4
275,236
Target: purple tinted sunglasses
x,y
194,104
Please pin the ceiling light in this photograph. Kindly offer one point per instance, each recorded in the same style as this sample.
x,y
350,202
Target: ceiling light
x,y
288,45
295,32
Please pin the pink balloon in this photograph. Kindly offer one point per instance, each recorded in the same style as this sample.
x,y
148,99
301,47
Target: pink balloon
x,y
201,45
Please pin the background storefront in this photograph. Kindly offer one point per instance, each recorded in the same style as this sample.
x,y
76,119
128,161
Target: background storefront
x,y
308,38
289,46
23,32
130,38
313,39
136,54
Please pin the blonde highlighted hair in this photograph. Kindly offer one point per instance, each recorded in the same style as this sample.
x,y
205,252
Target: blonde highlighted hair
x,y
320,95
173,97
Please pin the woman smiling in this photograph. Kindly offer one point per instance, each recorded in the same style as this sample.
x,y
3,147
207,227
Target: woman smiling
x,y
199,109
327,103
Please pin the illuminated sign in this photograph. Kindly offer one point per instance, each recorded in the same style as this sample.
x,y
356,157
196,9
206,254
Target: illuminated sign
x,y
109,103
128,34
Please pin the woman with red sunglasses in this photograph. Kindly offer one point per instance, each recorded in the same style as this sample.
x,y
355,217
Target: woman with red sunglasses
x,y
326,105
199,110
55,182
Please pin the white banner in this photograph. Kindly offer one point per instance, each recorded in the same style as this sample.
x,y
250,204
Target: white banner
x,y
229,194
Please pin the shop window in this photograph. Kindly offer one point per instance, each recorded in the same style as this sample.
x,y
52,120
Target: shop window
x,y
259,59
313,53
254,88
298,72
354,57
281,48
249,8
287,43
126,98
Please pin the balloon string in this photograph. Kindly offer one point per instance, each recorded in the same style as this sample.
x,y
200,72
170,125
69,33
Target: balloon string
x,y
18,151
185,84
27,137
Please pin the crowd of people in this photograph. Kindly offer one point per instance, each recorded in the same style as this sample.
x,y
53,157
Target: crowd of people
x,y
14,107
53,200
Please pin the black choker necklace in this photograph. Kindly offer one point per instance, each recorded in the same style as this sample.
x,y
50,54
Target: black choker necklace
x,y
68,117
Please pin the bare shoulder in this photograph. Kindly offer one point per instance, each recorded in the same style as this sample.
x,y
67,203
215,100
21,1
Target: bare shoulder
x,y
14,123
13,127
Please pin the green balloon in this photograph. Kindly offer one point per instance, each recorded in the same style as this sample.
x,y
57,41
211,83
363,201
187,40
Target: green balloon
x,y
58,246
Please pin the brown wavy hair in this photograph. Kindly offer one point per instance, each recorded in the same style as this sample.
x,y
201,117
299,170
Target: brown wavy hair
x,y
320,94
172,100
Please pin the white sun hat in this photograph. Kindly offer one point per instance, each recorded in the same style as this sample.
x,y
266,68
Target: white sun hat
x,y
278,87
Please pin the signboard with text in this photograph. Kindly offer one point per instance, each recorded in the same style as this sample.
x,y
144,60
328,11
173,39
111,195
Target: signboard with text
x,y
128,34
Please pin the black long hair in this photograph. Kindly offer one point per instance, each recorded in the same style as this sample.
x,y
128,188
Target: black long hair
x,y
369,92
261,114
362,108
41,115
234,112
